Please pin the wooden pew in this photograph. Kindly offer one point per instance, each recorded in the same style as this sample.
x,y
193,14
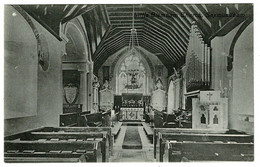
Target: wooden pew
x,y
77,136
82,129
179,130
225,138
71,115
208,151
93,119
70,119
58,151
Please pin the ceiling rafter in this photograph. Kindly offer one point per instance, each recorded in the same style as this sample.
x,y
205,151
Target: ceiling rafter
x,y
195,8
201,23
174,36
162,44
184,23
106,44
173,22
171,36
164,41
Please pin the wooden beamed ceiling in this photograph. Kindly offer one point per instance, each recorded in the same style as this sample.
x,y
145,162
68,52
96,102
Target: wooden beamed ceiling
x,y
162,29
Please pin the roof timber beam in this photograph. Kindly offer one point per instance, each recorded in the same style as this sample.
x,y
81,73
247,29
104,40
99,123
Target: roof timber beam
x,y
232,23
184,24
122,43
113,50
195,8
158,46
115,34
101,44
187,15
161,44
120,27
166,34
125,32
123,10
152,45
107,44
116,41
123,14
79,11
126,20
201,23
109,52
162,40
160,56
158,38
177,26
125,17
165,61
119,6
149,48
177,7
122,23
175,36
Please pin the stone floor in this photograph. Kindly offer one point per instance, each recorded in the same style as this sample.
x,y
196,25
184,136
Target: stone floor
x,y
132,155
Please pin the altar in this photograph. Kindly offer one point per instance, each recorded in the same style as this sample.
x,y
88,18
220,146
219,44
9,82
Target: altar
x,y
132,107
133,114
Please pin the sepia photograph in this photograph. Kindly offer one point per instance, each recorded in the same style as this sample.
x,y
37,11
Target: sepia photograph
x,y
119,83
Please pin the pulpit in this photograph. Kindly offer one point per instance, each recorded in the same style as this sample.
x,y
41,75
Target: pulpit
x,y
209,111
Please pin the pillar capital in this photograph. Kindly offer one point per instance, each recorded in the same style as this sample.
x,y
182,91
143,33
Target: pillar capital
x,y
83,67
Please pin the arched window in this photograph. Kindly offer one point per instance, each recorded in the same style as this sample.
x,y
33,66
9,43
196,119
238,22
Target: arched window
x,y
203,119
132,75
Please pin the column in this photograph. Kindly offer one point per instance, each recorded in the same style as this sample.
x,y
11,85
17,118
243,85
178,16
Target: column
x,y
83,90
90,88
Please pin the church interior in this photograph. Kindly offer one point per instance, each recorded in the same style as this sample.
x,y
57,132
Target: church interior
x,y
128,83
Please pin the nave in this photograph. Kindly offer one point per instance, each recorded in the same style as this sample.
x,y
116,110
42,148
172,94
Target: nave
x,y
134,153
128,83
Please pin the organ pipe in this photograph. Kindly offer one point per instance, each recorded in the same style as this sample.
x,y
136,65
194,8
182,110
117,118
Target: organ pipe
x,y
197,61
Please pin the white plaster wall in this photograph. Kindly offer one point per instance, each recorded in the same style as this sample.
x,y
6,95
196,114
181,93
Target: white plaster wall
x,y
49,83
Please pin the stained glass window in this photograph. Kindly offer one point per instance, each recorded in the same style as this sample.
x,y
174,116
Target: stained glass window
x,y
132,75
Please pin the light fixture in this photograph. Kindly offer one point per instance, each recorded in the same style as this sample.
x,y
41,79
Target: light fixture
x,y
133,36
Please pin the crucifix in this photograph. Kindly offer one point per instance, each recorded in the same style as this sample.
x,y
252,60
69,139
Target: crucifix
x,y
209,94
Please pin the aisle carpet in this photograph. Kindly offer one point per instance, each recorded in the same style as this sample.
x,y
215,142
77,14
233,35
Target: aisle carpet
x,y
132,138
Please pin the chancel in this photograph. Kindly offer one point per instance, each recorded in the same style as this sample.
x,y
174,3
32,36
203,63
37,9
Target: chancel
x,y
128,83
